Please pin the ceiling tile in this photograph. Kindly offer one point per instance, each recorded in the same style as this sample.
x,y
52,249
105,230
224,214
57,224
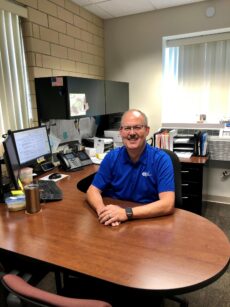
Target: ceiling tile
x,y
161,4
125,7
86,2
115,8
97,10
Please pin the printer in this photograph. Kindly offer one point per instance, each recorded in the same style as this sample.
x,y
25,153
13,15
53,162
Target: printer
x,y
89,142
115,135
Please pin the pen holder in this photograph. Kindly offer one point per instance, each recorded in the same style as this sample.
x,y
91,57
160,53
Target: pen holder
x,y
32,194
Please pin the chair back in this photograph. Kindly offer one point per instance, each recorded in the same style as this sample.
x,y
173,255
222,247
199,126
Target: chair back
x,y
177,177
84,184
31,296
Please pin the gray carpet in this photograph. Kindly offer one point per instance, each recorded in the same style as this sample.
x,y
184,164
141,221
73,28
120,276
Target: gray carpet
x,y
215,295
218,293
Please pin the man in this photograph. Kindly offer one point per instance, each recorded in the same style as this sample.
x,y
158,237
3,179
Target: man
x,y
136,172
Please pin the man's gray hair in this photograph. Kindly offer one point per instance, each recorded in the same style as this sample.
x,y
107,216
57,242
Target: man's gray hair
x,y
139,111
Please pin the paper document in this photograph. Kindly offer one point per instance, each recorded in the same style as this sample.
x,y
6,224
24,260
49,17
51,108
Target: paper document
x,y
95,160
182,154
182,140
98,158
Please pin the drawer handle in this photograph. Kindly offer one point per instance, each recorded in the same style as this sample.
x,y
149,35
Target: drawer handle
x,y
185,184
185,197
185,172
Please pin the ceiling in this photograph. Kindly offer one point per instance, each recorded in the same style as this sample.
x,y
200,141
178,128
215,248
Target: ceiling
x,y
107,9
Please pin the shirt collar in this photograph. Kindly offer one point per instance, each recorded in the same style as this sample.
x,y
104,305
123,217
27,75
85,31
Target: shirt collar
x,y
143,157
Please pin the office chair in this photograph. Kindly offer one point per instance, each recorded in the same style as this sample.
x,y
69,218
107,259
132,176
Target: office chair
x,y
177,177
178,204
30,296
84,184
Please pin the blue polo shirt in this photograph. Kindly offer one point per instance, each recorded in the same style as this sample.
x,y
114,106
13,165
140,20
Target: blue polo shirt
x,y
118,177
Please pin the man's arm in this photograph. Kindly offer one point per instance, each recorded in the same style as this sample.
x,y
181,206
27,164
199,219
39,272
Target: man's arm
x,y
163,206
111,214
94,198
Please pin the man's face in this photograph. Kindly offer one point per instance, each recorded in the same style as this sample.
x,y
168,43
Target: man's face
x,y
133,131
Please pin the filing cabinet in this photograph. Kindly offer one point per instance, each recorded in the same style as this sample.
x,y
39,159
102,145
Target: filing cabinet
x,y
192,184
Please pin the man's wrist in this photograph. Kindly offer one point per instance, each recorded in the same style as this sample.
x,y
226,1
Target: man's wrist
x,y
129,213
98,210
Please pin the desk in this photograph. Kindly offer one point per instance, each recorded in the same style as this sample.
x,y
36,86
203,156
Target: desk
x,y
171,254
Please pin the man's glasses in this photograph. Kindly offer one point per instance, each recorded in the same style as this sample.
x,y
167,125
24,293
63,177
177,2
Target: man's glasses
x,y
135,128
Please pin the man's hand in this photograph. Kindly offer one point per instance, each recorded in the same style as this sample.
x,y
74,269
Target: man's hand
x,y
112,215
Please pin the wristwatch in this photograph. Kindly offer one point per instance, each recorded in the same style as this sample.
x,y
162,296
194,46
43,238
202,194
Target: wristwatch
x,y
129,213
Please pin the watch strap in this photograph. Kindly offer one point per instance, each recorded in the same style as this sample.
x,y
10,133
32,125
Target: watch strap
x,y
129,212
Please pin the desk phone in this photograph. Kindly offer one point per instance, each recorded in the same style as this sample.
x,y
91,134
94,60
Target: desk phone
x,y
73,160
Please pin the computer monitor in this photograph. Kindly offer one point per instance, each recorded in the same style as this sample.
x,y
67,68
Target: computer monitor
x,y
32,144
11,161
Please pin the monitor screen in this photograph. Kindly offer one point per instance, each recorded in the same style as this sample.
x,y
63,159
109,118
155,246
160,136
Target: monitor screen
x,y
11,161
31,144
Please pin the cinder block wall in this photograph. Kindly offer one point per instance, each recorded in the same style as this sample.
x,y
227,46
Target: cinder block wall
x,y
61,39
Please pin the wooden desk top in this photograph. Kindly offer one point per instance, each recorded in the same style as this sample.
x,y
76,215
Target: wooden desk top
x,y
195,160
176,253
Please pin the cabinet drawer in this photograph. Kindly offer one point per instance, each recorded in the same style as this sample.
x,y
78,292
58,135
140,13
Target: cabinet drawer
x,y
191,175
192,203
191,188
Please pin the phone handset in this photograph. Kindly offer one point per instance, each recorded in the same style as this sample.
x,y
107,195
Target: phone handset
x,y
63,161
69,161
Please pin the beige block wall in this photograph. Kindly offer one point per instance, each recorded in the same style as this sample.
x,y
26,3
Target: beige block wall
x,y
61,38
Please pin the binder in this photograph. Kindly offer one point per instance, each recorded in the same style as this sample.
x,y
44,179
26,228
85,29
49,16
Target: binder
x,y
172,133
203,143
196,151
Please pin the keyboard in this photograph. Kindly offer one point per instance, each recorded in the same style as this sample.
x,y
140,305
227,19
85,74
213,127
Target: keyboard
x,y
49,191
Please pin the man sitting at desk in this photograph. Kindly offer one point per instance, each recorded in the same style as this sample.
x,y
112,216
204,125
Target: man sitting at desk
x,y
135,172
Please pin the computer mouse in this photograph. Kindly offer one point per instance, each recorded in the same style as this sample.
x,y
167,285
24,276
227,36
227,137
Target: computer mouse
x,y
54,176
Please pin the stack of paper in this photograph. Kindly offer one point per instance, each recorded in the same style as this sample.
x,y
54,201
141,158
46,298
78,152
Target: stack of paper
x,y
182,154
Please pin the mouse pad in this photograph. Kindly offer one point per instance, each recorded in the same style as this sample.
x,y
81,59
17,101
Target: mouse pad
x,y
57,179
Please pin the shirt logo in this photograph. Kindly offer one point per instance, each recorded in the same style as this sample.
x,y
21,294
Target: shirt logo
x,y
146,174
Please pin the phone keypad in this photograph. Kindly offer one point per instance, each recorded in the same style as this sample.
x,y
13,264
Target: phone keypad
x,y
75,162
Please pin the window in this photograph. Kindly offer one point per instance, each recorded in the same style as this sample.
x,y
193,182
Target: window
x,y
196,79
15,109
